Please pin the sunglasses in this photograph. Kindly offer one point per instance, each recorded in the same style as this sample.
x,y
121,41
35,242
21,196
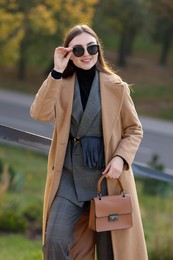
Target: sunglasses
x,y
79,50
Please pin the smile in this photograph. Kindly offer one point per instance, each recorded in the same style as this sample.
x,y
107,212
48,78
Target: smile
x,y
86,60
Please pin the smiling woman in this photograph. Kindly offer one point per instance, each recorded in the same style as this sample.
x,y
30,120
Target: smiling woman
x,y
85,51
97,131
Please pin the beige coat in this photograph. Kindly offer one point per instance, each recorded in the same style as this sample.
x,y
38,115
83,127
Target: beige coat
x,y
122,135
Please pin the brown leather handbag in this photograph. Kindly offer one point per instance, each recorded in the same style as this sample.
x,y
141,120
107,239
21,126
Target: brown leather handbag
x,y
110,212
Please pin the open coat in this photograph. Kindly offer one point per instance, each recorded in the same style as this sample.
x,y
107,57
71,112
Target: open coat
x,y
122,134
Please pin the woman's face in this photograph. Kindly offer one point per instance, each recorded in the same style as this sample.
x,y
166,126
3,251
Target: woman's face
x,y
86,61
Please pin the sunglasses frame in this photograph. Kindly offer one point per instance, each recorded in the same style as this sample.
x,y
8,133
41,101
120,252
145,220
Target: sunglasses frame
x,y
82,50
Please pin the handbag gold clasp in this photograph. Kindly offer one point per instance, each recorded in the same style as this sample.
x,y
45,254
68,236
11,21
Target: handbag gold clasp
x,y
113,217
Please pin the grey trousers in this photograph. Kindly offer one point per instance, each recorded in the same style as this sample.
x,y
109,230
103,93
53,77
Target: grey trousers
x,y
60,228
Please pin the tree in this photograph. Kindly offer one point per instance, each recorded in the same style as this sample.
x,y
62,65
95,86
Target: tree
x,y
161,13
75,12
25,24
126,18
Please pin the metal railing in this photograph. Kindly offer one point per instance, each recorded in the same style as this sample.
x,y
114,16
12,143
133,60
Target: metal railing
x,y
42,144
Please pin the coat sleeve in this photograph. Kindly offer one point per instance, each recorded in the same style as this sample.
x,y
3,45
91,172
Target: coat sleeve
x,y
43,107
132,132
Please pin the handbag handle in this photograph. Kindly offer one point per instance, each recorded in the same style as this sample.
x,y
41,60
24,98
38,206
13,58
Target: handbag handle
x,y
99,194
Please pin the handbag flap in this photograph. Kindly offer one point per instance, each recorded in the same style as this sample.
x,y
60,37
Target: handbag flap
x,y
115,204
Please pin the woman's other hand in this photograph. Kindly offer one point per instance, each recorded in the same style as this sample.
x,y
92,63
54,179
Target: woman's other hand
x,y
61,58
114,168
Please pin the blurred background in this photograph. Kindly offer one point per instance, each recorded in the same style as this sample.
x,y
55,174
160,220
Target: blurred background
x,y
137,37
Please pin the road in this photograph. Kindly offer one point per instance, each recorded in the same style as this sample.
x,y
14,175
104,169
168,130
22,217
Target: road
x,y
158,135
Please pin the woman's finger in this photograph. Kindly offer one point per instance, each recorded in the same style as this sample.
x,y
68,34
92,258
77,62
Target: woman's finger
x,y
106,169
113,174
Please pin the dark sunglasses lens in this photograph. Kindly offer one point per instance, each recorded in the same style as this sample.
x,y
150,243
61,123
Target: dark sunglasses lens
x,y
93,49
78,51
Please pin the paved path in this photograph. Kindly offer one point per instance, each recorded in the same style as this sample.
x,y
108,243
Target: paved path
x,y
158,134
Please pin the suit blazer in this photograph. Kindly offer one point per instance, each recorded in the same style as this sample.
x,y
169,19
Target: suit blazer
x,y
79,182
122,133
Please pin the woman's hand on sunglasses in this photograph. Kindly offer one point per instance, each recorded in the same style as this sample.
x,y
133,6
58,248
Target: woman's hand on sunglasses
x,y
61,58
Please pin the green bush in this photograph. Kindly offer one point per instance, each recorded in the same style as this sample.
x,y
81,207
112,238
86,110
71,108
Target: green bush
x,y
33,212
14,219
16,179
10,221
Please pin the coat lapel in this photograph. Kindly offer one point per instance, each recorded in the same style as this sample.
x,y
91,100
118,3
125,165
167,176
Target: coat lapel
x,y
65,104
111,90
92,108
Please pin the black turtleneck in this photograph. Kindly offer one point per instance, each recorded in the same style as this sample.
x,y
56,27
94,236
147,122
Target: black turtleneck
x,y
85,79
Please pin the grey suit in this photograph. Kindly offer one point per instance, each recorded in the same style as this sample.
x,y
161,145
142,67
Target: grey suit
x,y
78,183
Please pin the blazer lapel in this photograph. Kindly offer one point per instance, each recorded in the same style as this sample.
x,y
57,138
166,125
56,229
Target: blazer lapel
x,y
77,110
92,108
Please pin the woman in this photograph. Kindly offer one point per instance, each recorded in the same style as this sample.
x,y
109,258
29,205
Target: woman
x,y
96,131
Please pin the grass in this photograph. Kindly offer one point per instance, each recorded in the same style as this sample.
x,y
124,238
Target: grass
x,y
18,247
33,167
156,211
157,214
154,100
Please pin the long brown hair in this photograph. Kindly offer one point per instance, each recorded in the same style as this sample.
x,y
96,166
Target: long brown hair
x,y
101,64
